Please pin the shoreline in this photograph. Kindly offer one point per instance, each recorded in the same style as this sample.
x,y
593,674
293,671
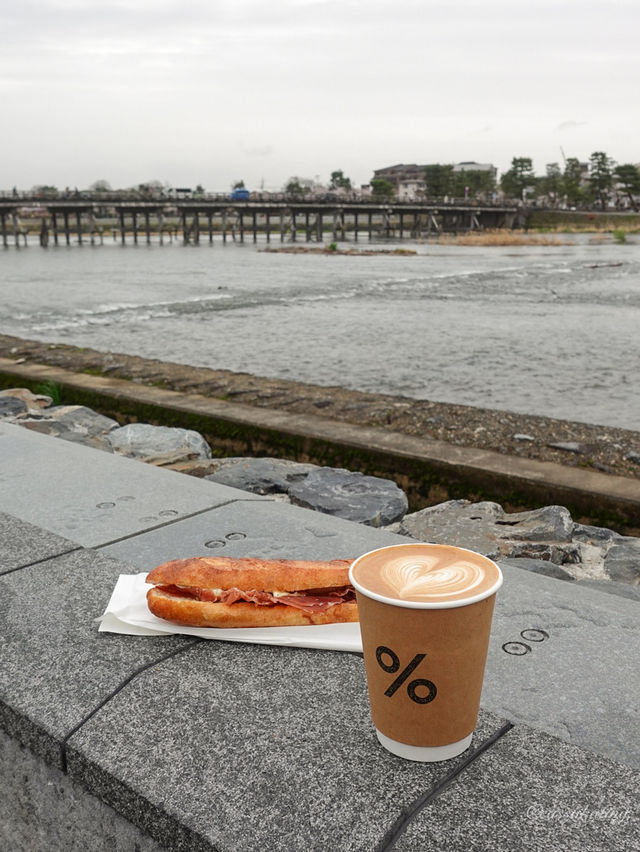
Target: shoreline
x,y
591,447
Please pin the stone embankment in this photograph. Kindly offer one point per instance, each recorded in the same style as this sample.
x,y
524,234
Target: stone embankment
x,y
599,448
545,540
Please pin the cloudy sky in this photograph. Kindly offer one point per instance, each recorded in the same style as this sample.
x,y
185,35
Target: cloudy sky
x,y
212,91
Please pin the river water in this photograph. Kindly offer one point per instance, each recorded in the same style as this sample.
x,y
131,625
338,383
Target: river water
x,y
536,330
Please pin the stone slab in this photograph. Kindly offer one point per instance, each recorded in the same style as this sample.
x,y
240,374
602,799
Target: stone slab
x,y
42,810
93,497
574,673
235,746
23,544
55,668
266,528
531,791
578,684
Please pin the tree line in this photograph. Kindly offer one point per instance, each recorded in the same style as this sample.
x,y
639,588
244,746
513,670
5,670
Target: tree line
x,y
595,183
578,183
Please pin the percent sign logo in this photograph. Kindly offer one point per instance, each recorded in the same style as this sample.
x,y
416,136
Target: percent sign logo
x,y
393,667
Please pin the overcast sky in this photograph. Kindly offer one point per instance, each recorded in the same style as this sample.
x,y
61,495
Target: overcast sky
x,y
212,91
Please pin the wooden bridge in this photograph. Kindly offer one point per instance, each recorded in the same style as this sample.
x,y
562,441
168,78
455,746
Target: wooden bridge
x,y
90,219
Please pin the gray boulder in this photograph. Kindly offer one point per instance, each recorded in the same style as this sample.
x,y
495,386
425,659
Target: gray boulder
x,y
33,401
541,534
622,561
457,522
260,475
75,423
11,406
353,496
158,444
544,540
550,523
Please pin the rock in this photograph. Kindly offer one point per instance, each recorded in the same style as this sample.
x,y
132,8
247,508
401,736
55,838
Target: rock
x,y
11,406
633,457
522,437
353,496
457,522
260,475
622,561
594,535
141,441
567,446
539,535
83,420
32,400
550,523
539,566
74,423
560,554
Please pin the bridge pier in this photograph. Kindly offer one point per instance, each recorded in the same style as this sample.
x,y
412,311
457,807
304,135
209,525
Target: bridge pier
x,y
267,226
44,232
210,218
4,230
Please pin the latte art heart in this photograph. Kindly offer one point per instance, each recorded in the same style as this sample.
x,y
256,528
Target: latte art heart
x,y
429,575
431,578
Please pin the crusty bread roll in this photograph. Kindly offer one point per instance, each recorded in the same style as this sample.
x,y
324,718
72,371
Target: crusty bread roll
x,y
251,592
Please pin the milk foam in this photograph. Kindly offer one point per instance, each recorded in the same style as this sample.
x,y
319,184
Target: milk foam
x,y
426,573
431,577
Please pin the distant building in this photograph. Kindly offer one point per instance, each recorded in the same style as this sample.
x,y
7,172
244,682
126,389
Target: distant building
x,y
472,166
399,174
408,179
411,189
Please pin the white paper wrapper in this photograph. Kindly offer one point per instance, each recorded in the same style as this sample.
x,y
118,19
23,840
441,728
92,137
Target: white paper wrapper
x,y
127,612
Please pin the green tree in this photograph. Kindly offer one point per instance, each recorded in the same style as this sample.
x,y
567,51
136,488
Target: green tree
x,y
628,176
382,188
238,184
600,177
295,188
339,181
551,184
572,181
44,190
519,178
100,186
439,180
471,183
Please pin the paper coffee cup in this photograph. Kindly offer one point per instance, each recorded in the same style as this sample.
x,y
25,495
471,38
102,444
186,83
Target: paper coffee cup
x,y
425,616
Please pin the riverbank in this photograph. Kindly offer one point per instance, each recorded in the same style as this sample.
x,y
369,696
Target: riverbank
x,y
591,447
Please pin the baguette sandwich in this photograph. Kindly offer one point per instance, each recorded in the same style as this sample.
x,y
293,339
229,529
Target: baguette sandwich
x,y
228,592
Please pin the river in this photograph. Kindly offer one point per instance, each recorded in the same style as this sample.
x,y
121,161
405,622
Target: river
x,y
549,330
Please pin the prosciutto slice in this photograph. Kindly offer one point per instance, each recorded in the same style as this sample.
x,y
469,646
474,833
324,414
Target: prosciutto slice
x,y
299,600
